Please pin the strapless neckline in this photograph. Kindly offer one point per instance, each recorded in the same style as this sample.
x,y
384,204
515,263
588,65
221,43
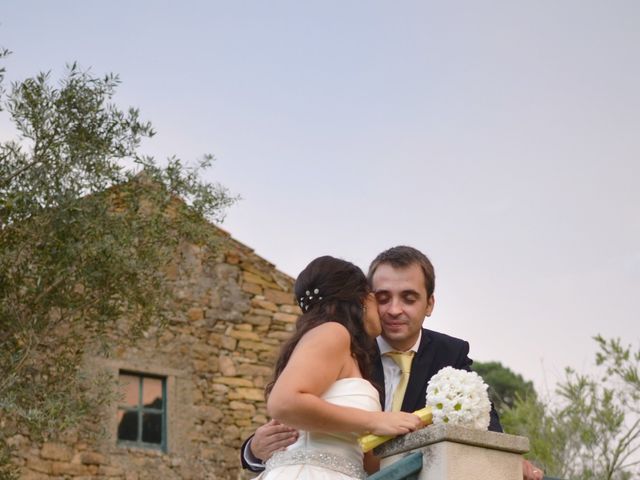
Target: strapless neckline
x,y
350,386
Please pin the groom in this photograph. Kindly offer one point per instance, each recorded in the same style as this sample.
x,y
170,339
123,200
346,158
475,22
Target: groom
x,y
403,280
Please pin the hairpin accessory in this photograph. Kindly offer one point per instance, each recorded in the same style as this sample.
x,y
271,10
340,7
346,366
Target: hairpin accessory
x,y
306,302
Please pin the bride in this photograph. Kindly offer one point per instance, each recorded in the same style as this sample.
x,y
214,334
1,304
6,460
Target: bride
x,y
321,380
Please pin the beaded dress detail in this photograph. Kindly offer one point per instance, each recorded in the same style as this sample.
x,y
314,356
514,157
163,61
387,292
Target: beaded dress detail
x,y
323,456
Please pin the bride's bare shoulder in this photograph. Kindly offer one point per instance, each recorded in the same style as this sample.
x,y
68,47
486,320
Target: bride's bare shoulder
x,y
331,332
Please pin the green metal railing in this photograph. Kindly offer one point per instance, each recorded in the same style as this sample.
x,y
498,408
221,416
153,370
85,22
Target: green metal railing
x,y
406,469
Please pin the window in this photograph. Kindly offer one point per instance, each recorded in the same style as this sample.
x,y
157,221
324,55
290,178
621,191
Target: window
x,y
142,411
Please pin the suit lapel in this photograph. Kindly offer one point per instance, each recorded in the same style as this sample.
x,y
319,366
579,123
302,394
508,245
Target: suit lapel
x,y
415,395
378,375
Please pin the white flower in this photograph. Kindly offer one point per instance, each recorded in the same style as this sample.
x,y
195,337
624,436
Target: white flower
x,y
459,397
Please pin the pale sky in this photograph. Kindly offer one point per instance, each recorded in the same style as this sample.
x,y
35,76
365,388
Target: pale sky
x,y
500,138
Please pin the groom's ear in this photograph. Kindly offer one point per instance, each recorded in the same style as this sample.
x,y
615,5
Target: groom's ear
x,y
431,301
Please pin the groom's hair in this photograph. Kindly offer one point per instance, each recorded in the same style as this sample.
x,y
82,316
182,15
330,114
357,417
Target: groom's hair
x,y
403,257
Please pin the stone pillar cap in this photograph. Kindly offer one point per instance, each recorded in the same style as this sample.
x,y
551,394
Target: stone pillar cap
x,y
453,433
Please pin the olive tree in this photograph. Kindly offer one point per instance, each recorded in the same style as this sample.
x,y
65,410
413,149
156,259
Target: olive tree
x,y
591,430
87,225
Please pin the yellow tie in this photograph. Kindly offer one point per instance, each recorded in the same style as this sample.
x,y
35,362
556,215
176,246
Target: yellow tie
x,y
403,359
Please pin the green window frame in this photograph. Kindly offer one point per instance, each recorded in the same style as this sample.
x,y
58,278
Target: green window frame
x,y
140,424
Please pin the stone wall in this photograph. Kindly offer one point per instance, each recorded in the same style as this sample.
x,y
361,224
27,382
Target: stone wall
x,y
232,311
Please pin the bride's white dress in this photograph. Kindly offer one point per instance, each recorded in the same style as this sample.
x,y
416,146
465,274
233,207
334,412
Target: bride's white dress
x,y
322,456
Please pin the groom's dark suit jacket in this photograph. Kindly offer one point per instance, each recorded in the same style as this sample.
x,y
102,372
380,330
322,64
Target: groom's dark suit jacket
x,y
436,351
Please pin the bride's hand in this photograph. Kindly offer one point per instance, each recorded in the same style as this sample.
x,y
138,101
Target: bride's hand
x,y
394,423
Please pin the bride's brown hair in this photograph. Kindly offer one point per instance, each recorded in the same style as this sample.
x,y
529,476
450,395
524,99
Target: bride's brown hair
x,y
330,290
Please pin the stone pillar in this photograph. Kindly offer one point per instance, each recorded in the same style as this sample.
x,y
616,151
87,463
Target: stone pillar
x,y
457,453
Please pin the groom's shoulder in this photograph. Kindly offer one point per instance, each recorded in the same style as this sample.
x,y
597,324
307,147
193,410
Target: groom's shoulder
x,y
443,338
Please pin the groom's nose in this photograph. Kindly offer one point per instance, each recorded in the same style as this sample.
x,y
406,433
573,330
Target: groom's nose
x,y
395,307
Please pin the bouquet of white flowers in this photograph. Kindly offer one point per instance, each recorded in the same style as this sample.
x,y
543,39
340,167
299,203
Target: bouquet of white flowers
x,y
459,397
454,396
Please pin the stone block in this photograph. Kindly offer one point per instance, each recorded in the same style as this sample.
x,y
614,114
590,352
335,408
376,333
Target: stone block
x,y
250,277
239,416
255,394
240,335
203,351
229,313
166,338
261,312
210,365
256,346
259,419
248,369
258,266
207,413
73,469
245,327
268,357
56,451
17,441
227,367
279,335
252,356
278,296
257,319
219,387
38,465
223,341
233,381
26,474
231,432
229,343
108,471
252,288
227,272
229,454
211,318
248,407
198,437
264,305
285,317
292,309
196,395
195,314
82,446
208,453
232,259
243,423
93,458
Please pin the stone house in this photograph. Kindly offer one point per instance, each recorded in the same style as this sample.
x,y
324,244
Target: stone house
x,y
191,391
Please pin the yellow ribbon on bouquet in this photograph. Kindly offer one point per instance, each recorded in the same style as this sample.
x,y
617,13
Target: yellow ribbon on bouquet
x,y
369,442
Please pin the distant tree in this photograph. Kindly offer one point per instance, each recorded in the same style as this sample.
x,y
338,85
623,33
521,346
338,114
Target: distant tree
x,y
83,239
592,431
534,418
504,384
